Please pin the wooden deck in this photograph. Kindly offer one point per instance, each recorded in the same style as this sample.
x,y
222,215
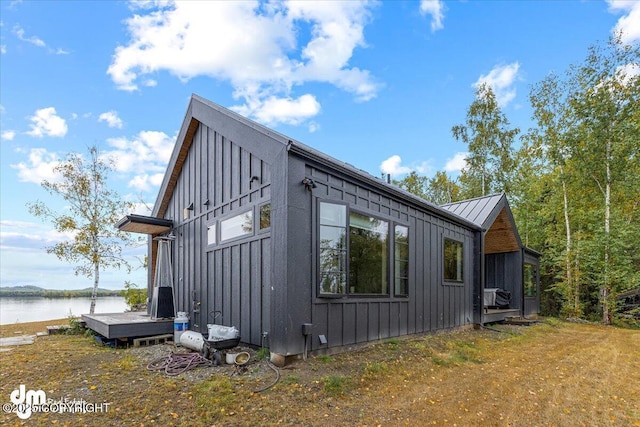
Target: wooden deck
x,y
491,315
127,325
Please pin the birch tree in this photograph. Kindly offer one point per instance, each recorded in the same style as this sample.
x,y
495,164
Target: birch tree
x,y
606,105
488,135
92,209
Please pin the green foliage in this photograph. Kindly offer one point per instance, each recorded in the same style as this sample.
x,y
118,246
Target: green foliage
x,y
324,358
134,297
438,190
578,183
262,354
490,163
75,326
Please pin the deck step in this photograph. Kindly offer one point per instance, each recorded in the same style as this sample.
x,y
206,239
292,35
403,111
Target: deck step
x,y
519,320
158,339
57,329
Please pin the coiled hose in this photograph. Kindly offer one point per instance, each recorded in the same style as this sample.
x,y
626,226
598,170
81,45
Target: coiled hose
x,y
177,363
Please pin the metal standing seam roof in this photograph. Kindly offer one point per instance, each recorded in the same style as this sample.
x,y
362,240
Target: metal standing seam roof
x,y
478,211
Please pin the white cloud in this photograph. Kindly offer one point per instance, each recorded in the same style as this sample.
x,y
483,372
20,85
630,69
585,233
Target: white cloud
x,y
281,110
313,127
254,46
629,24
8,135
46,122
457,162
19,32
435,8
112,119
3,49
23,234
501,79
146,182
39,166
146,155
393,166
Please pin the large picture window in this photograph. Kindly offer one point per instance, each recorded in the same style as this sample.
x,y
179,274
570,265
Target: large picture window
x,y
401,255
453,261
355,254
368,255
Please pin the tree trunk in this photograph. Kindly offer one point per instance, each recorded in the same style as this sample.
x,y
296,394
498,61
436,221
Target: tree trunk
x,y
606,316
94,293
576,291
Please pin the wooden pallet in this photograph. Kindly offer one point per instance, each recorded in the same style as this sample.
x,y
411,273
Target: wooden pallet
x,y
158,339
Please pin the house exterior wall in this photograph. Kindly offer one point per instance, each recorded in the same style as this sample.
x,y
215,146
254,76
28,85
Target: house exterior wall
x,y
231,277
430,305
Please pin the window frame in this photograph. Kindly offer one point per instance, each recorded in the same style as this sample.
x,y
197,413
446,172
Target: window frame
x,y
319,224
390,253
395,258
458,281
259,217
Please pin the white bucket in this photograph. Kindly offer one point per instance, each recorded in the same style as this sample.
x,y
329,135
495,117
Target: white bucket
x,y
192,340
180,325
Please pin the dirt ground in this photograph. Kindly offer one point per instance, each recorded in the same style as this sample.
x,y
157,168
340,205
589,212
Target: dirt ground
x,y
550,374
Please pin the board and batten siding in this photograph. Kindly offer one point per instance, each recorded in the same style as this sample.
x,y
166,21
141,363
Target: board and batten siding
x,y
233,277
430,305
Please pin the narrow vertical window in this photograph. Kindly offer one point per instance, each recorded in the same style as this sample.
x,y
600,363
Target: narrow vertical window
x,y
453,260
368,255
401,255
333,248
265,216
211,234
530,280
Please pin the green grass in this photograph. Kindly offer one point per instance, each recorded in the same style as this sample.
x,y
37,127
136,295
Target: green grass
x,y
335,385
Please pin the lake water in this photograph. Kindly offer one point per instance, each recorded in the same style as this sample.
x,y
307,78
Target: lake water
x,y
21,310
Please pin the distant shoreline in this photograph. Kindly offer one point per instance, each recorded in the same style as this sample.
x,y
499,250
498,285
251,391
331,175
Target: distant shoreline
x,y
50,293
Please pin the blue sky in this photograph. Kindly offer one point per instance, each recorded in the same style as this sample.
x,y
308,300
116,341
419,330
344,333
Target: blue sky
x,y
375,84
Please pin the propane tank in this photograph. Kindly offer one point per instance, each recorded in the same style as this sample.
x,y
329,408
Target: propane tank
x,y
180,325
192,340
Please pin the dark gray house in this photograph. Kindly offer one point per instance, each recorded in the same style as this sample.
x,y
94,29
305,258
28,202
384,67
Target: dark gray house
x,y
302,252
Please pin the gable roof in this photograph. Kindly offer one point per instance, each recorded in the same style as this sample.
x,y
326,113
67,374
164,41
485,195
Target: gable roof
x,y
481,210
493,214
266,144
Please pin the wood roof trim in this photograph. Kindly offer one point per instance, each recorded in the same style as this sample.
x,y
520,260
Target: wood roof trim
x,y
185,145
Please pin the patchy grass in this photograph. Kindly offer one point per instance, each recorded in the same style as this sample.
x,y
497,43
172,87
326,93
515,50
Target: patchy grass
x,y
553,373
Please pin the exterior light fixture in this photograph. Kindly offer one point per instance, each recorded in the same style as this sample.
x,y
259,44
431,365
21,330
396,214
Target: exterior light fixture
x,y
309,184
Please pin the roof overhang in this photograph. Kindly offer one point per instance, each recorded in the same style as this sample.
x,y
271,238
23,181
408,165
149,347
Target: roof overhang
x,y
144,224
502,236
